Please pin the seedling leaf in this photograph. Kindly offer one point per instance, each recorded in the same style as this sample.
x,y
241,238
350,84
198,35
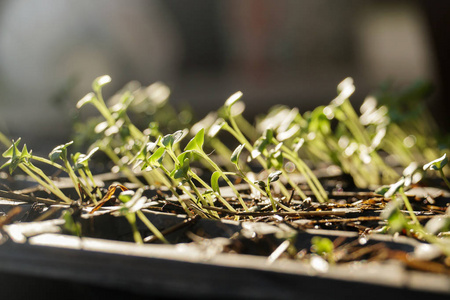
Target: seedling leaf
x,y
86,99
156,158
132,201
216,127
10,151
261,184
179,135
59,152
182,170
215,182
167,141
322,246
99,82
274,176
81,160
232,100
436,164
236,153
394,188
70,224
196,143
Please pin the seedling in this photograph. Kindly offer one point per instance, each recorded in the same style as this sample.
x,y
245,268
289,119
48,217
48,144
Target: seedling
x,y
132,202
397,221
195,145
438,165
323,247
273,177
22,159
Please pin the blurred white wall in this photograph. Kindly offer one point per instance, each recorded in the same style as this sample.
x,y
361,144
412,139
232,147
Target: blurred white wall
x,y
55,48
291,52
392,42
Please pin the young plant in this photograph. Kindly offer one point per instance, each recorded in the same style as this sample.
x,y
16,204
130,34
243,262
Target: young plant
x,y
195,146
132,203
397,221
438,165
259,146
81,166
22,160
273,177
323,247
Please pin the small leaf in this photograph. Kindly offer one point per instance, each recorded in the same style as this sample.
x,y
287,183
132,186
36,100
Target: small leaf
x,y
156,158
394,188
6,164
261,184
70,224
179,135
126,196
259,146
236,154
167,141
298,143
183,156
99,82
322,246
274,176
287,134
9,152
133,201
436,164
81,160
382,190
59,152
215,182
268,135
196,143
151,146
232,100
86,99
216,127
182,170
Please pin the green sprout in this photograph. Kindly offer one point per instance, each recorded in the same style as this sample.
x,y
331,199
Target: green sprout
x,y
273,177
195,146
132,203
22,160
323,247
397,221
438,165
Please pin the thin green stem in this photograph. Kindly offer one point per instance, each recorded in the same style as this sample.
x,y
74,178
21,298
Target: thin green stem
x,y
444,178
269,194
72,176
57,192
166,182
238,195
131,217
48,162
116,160
152,227
409,207
205,185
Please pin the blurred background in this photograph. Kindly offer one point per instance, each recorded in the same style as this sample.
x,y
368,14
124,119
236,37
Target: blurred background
x,y
290,52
